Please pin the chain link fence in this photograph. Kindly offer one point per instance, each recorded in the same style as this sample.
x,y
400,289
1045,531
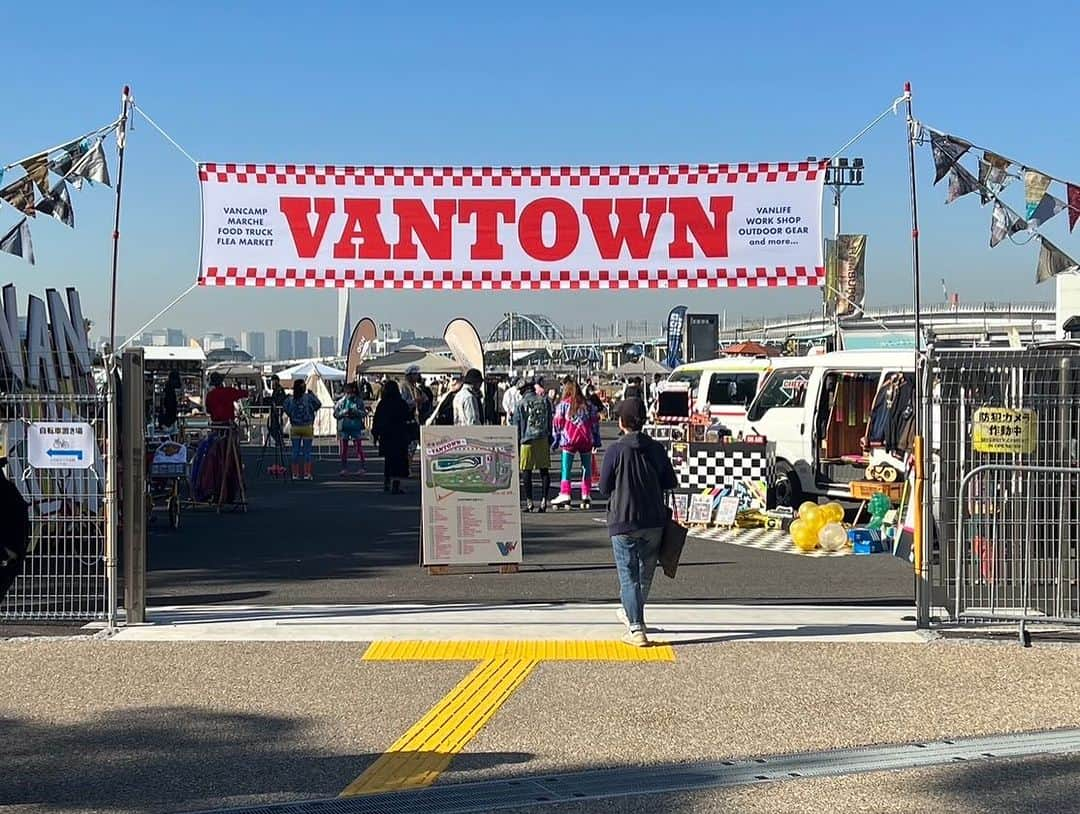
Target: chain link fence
x,y
64,575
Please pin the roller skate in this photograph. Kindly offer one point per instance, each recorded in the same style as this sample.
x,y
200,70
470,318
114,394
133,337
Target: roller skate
x,y
562,501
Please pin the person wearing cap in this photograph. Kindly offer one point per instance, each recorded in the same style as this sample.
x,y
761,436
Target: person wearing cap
x,y
468,404
634,475
416,393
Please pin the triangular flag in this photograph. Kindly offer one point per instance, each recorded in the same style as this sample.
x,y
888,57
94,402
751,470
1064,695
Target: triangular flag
x,y
961,182
1047,208
92,166
947,151
37,169
992,175
58,204
17,242
73,151
1052,261
1035,186
20,195
1003,224
1074,204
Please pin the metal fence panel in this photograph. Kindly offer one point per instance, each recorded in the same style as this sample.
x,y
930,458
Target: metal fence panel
x,y
1009,473
64,576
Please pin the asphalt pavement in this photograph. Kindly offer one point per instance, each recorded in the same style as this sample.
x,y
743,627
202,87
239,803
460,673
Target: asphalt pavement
x,y
342,540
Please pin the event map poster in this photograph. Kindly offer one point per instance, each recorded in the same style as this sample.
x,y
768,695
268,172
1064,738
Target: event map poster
x,y
471,502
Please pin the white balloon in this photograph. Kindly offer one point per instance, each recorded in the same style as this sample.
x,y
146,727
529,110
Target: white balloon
x,y
832,537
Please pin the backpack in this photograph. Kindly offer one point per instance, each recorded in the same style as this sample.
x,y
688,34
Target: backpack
x,y
537,418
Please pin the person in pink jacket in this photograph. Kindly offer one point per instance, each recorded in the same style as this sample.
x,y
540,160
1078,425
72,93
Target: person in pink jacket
x,y
577,432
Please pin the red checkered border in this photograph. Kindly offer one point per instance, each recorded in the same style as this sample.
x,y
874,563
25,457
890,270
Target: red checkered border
x,y
622,175
507,280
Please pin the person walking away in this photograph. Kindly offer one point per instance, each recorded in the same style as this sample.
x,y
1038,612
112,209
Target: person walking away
x,y
468,404
390,430
577,432
415,394
350,412
15,528
533,418
634,475
512,398
301,408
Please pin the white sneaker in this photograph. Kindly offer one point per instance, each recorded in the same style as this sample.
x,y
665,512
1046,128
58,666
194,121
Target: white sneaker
x,y
636,639
561,499
621,614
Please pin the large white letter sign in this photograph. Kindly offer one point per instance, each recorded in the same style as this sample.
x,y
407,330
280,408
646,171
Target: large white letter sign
x,y
530,228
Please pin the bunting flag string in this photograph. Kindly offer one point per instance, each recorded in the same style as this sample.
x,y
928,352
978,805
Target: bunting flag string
x,y
75,162
994,173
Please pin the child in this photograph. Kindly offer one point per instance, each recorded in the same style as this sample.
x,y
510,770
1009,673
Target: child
x,y
350,412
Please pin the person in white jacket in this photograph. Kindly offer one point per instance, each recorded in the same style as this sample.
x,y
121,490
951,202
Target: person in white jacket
x,y
468,404
511,400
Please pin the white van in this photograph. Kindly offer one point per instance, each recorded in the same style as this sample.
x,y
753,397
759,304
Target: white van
x,y
818,411
723,388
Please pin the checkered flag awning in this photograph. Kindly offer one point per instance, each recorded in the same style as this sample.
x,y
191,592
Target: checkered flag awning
x,y
512,228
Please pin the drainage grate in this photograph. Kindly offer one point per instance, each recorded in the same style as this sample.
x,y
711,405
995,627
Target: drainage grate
x,y
494,795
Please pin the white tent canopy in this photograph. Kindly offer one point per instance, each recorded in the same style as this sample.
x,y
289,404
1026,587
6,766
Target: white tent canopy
x,y
304,370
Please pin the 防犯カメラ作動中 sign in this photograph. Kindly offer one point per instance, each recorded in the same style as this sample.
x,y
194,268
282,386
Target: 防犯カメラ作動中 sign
x,y
515,228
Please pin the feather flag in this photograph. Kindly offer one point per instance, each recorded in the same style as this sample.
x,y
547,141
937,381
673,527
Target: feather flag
x,y
1035,186
1003,224
57,202
1047,208
20,195
1074,204
17,242
947,151
961,182
37,169
92,166
1053,261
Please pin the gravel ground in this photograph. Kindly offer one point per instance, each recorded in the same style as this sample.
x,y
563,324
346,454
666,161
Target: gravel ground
x,y
747,699
100,726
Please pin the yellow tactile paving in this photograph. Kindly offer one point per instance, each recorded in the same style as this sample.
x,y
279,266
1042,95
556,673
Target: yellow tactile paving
x,y
424,752
510,649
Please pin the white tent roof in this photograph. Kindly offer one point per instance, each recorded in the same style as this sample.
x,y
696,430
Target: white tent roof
x,y
181,353
306,369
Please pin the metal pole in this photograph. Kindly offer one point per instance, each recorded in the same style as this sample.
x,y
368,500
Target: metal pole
x,y
112,458
510,322
924,477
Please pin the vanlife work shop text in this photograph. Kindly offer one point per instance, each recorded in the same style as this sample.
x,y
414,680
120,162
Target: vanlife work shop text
x,y
636,222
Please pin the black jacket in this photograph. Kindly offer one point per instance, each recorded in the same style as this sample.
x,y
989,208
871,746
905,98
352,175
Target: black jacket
x,y
14,533
635,473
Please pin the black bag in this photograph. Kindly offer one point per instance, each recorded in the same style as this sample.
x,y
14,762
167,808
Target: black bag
x,y
671,546
14,533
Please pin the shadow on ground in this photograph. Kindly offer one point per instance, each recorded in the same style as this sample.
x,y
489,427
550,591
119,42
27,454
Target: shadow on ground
x,y
175,759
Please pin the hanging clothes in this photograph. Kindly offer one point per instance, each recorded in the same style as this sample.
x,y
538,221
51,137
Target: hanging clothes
x,y
899,436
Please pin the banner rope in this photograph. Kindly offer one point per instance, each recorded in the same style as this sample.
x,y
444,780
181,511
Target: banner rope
x,y
890,109
167,137
155,318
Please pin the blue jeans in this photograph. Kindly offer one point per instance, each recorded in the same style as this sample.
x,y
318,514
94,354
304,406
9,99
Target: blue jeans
x,y
301,449
635,560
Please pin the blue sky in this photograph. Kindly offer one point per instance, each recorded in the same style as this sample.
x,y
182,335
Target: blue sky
x,y
560,82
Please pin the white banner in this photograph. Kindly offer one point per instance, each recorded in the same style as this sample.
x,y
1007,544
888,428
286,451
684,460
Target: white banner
x,y
470,500
532,228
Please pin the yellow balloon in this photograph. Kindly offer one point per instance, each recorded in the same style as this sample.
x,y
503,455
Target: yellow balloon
x,y
806,504
835,512
803,535
813,515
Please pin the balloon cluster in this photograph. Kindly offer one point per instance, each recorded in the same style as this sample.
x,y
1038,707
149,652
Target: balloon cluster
x,y
819,526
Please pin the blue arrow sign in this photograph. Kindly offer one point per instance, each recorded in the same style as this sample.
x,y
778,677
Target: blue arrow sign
x,y
65,453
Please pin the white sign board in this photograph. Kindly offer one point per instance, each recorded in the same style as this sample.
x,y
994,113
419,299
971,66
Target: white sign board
x,y
60,445
729,508
471,503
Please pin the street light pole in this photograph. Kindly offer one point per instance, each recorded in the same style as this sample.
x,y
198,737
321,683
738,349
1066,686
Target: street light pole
x,y
510,324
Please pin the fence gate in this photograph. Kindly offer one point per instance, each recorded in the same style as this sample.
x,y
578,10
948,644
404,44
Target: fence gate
x,y
1006,430
64,575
